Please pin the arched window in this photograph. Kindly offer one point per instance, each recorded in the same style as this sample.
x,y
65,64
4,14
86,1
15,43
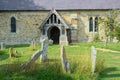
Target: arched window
x,y
13,24
48,21
43,30
53,18
96,24
90,24
58,21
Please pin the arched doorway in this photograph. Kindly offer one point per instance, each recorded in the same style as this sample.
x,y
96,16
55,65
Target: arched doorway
x,y
54,34
55,28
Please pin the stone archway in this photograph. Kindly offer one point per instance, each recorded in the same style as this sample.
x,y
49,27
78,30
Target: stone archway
x,y
55,28
54,34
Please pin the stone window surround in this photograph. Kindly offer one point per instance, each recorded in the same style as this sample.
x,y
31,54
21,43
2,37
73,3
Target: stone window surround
x,y
94,24
13,24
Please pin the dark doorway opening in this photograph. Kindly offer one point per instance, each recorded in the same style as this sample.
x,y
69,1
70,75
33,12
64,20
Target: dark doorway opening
x,y
69,35
54,34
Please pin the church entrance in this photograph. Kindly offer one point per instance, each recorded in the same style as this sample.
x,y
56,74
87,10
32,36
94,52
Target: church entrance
x,y
54,34
55,28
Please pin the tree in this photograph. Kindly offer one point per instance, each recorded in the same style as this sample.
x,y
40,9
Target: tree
x,y
117,32
111,24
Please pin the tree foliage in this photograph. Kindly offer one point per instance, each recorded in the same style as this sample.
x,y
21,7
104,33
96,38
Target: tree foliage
x,y
117,32
111,24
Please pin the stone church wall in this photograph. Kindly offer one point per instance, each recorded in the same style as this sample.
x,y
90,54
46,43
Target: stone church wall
x,y
27,26
80,19
28,23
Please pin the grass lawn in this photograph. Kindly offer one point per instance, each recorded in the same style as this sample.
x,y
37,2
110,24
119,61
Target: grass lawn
x,y
78,55
112,66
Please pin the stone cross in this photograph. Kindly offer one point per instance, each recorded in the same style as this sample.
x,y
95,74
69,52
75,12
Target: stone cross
x,y
3,46
65,63
93,58
44,48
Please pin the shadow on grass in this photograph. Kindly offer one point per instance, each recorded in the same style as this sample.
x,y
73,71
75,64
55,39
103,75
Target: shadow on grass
x,y
3,55
109,73
18,45
43,71
52,60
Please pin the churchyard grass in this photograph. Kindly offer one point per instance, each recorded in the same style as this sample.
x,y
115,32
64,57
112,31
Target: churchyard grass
x,y
77,54
112,66
110,45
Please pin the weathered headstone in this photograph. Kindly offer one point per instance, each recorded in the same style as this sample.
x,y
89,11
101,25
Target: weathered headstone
x,y
115,39
3,46
16,52
36,55
65,63
50,41
93,58
68,67
11,53
44,48
33,45
106,41
63,40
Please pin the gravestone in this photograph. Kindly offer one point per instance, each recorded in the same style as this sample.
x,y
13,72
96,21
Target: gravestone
x,y
3,46
16,52
63,40
106,41
11,52
65,63
44,48
115,39
33,44
50,42
93,58
42,53
68,67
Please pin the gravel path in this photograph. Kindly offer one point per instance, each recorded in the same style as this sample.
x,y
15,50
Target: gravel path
x,y
107,50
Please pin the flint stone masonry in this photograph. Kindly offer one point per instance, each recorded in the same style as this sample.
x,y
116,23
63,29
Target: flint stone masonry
x,y
28,25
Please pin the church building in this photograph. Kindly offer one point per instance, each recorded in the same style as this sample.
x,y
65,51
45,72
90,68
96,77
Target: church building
x,y
62,21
